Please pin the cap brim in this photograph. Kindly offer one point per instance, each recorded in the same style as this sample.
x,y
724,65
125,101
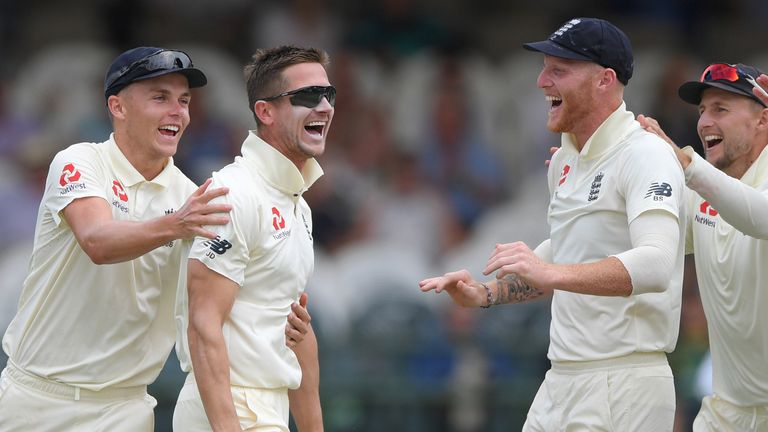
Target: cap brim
x,y
195,77
551,48
691,91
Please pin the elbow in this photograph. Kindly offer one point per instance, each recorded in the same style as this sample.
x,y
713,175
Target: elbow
x,y
202,330
95,252
650,286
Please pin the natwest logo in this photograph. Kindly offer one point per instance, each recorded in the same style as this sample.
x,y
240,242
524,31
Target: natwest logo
x,y
277,219
119,191
69,174
707,209
564,174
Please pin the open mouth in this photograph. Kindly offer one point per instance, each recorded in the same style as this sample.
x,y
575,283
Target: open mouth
x,y
168,130
712,140
315,128
554,102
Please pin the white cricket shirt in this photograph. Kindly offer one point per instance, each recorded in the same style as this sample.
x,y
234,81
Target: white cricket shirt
x,y
89,325
267,250
732,272
621,172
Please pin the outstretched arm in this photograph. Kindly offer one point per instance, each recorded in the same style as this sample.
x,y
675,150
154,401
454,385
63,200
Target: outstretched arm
x,y
108,241
739,204
521,275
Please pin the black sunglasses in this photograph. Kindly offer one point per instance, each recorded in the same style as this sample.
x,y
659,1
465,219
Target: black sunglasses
x,y
309,97
161,60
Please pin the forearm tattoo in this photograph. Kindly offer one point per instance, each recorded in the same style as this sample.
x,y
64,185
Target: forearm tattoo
x,y
512,289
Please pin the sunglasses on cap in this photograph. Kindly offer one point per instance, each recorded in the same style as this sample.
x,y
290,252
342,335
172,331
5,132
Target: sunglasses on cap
x,y
309,97
160,61
725,72
730,73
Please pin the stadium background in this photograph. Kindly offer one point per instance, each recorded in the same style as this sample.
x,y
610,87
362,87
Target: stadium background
x,y
436,153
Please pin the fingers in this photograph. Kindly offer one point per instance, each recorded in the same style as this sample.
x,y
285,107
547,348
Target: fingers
x,y
504,255
759,90
300,310
429,284
552,151
297,325
213,193
203,187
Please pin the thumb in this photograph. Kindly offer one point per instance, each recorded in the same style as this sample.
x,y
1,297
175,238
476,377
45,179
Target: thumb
x,y
303,299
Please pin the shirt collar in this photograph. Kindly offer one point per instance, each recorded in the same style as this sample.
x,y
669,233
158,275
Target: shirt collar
x,y
608,135
127,173
277,169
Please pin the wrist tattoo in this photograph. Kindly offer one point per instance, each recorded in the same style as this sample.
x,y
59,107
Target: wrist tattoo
x,y
512,289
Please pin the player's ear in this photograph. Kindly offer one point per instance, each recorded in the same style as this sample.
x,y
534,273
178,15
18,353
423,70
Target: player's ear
x,y
116,107
608,77
264,111
762,121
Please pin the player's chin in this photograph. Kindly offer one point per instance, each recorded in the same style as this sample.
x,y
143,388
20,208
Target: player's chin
x,y
314,149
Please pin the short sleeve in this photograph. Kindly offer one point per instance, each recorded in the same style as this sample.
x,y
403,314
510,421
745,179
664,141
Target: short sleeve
x,y
228,253
76,172
652,177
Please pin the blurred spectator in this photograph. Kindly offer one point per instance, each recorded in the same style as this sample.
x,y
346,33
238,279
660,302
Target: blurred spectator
x,y
296,22
406,210
396,28
209,142
357,146
678,118
456,157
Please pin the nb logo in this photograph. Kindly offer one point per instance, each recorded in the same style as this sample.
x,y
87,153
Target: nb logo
x,y
659,190
219,245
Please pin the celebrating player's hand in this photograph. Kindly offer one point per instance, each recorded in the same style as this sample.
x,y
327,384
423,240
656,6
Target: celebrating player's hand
x,y
762,81
651,125
298,322
197,212
460,285
519,260
552,151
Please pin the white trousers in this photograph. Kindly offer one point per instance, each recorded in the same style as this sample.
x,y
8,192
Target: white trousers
x,y
625,394
259,410
30,403
718,415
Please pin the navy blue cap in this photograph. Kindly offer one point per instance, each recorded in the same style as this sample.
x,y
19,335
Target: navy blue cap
x,y
736,82
590,39
149,62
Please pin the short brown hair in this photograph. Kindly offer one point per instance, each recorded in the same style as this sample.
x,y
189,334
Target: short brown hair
x,y
263,74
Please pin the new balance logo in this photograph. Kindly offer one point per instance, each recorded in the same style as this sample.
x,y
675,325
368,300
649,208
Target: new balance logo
x,y
659,191
218,245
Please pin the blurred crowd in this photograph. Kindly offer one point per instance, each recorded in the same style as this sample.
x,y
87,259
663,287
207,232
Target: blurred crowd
x,y
436,154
